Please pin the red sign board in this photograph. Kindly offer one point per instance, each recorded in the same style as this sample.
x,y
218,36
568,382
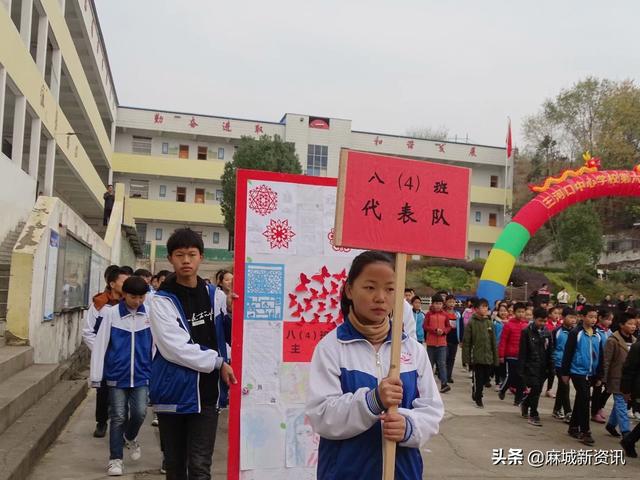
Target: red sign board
x,y
300,339
399,205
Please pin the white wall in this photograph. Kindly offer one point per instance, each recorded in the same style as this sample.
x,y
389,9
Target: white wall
x,y
485,210
482,247
124,143
207,233
17,195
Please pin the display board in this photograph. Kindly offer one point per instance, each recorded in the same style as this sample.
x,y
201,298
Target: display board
x,y
289,274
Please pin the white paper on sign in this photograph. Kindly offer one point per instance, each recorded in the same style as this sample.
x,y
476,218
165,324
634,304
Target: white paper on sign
x,y
294,381
262,437
260,371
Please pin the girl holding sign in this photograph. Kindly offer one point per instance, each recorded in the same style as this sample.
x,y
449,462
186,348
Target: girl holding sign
x,y
349,392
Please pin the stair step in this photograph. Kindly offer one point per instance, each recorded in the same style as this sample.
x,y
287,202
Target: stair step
x,y
5,268
27,440
4,281
20,391
3,310
3,327
13,360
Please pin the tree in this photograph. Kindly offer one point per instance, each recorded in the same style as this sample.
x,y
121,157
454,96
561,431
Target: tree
x,y
579,267
428,133
578,230
265,153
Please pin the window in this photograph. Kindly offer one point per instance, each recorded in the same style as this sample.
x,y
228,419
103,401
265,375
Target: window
x,y
165,148
478,217
139,188
141,145
216,237
202,153
220,153
181,194
183,151
163,191
493,220
218,195
476,253
494,181
158,234
199,195
317,160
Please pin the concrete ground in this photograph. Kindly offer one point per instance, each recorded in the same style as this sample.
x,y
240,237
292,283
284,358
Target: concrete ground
x,y
463,449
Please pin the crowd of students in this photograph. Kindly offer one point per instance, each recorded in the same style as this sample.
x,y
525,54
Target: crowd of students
x,y
162,340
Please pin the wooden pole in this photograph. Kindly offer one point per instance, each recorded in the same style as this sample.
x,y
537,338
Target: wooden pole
x,y
389,447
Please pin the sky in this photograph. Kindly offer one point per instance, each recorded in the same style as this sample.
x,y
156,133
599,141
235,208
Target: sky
x,y
390,66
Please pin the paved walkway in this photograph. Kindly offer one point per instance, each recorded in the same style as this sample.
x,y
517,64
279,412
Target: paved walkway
x,y
462,450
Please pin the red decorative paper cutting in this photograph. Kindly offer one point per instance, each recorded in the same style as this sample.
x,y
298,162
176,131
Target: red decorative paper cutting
x,y
279,233
331,236
263,200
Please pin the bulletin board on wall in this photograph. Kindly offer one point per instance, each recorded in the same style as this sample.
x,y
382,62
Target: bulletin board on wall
x,y
288,273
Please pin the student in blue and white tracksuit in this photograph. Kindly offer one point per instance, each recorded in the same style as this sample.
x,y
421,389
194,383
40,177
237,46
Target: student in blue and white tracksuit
x,y
349,393
582,363
187,364
121,357
559,336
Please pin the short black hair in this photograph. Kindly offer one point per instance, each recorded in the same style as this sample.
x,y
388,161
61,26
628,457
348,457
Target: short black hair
x,y
519,305
630,315
482,301
588,308
416,297
163,273
408,290
114,274
450,297
143,272
437,299
135,286
540,312
184,238
604,313
568,311
127,269
108,270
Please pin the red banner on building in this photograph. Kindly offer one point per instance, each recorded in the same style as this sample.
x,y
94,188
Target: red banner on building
x,y
401,205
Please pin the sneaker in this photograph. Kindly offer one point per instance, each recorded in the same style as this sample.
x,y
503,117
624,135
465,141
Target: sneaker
x,y
550,394
154,422
629,449
450,380
134,446
612,430
558,415
445,388
163,467
101,430
479,403
636,415
630,414
574,432
524,411
567,417
114,468
535,421
598,418
587,439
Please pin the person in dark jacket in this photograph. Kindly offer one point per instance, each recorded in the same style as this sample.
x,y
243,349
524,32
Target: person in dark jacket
x,y
582,363
479,349
535,363
562,405
109,198
630,388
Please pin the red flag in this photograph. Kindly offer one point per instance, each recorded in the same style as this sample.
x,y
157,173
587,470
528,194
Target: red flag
x,y
509,141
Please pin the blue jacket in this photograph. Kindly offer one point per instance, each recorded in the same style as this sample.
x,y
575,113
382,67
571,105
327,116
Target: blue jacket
x,y
178,361
344,410
419,316
122,349
559,337
583,354
497,329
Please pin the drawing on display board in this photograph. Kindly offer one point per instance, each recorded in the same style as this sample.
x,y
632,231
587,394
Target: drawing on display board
x,y
279,234
294,378
263,200
302,442
261,382
265,290
263,437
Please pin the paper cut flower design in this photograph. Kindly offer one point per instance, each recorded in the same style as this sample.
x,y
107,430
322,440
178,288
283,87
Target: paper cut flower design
x,y
263,200
279,233
331,235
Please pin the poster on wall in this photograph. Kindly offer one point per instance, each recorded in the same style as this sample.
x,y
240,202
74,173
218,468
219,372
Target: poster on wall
x,y
50,272
289,274
72,279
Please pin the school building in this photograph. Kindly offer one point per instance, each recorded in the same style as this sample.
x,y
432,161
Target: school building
x,y
171,164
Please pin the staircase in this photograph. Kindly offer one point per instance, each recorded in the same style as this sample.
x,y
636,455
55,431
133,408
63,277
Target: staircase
x,y
6,249
35,404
